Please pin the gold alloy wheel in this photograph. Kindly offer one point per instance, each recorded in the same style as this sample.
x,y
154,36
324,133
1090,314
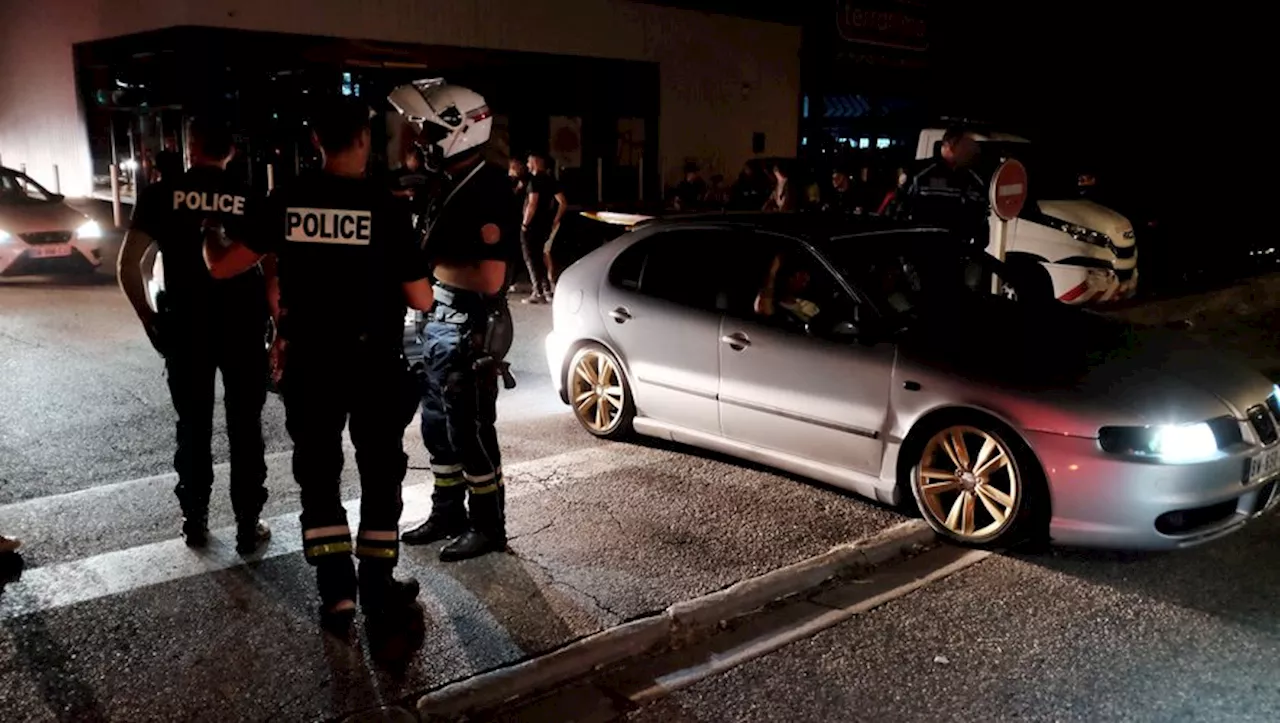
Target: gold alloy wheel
x,y
974,497
596,391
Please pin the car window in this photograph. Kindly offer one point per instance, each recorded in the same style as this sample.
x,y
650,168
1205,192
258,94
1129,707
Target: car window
x,y
904,273
689,267
18,189
626,269
786,286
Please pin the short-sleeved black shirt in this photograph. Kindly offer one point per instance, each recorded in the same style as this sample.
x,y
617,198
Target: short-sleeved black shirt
x,y
482,198
546,186
179,213
344,249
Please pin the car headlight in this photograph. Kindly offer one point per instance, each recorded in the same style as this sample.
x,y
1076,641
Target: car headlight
x,y
88,230
1082,234
1166,442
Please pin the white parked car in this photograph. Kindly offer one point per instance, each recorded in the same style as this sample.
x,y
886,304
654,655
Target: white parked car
x,y
1089,250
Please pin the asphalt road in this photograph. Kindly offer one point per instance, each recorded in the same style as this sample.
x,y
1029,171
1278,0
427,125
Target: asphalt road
x,y
113,618
1064,636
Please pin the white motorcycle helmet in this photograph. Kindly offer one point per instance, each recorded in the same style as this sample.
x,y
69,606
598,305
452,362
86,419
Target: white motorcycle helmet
x,y
450,119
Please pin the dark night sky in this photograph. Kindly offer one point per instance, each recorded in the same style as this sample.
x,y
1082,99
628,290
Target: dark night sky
x,y
1159,92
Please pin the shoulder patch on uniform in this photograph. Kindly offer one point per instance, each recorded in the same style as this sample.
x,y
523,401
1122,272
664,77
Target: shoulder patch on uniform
x,y
328,226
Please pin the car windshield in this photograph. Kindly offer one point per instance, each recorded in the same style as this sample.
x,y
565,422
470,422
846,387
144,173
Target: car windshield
x,y
16,188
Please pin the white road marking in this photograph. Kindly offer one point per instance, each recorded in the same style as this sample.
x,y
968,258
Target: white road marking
x,y
122,571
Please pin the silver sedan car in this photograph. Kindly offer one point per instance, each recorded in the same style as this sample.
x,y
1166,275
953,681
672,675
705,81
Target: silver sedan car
x,y
875,358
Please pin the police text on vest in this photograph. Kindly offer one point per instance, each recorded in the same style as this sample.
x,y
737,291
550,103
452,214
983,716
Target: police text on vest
x,y
205,201
328,226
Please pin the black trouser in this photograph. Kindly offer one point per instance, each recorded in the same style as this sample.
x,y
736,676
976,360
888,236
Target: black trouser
x,y
325,386
533,242
459,408
196,347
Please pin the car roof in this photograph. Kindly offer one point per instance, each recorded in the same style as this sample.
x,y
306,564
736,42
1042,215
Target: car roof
x,y
818,228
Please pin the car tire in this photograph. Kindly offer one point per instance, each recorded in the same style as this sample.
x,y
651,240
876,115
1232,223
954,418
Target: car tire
x,y
599,394
977,483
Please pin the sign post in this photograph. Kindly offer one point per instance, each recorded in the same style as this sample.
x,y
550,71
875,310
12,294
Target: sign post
x,y
1008,194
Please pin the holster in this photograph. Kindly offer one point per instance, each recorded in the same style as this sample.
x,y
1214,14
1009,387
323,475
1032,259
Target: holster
x,y
495,343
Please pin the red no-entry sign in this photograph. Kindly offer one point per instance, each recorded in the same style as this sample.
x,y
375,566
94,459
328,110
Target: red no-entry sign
x,y
1009,189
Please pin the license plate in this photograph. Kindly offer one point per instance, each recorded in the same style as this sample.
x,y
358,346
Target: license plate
x,y
51,251
1264,465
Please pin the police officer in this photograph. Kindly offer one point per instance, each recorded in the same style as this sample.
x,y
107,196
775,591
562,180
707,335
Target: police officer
x,y
203,326
468,332
348,262
945,191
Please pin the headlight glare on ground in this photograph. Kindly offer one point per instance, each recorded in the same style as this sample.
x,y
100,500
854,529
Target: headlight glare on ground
x,y
1167,442
4,236
88,230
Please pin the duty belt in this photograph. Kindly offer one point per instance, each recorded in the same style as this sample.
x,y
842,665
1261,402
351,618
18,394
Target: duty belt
x,y
458,306
492,324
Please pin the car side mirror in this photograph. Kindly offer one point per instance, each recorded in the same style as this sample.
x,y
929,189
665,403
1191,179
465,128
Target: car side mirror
x,y
840,331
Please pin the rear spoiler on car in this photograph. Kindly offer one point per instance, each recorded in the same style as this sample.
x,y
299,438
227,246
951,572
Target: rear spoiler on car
x,y
617,219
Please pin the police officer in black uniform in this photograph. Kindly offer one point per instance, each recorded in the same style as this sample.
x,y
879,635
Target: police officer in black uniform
x,y
945,191
203,326
348,262
468,332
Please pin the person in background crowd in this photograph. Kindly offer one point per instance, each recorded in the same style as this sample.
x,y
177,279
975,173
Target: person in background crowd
x,y
544,208
518,172
840,198
899,179
690,191
750,190
717,195
784,196
168,162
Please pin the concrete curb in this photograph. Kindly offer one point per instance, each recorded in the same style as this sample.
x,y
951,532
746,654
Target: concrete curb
x,y
676,625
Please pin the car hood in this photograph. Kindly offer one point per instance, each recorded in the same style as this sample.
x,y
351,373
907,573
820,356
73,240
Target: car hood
x,y
1057,369
20,218
1092,216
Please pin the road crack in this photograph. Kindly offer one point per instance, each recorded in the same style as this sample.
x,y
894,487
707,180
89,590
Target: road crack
x,y
559,582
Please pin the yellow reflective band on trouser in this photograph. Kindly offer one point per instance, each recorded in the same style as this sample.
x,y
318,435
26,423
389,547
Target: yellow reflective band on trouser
x,y
486,484
380,544
328,548
449,481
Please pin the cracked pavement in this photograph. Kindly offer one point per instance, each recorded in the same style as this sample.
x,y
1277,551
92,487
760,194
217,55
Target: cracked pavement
x,y
599,533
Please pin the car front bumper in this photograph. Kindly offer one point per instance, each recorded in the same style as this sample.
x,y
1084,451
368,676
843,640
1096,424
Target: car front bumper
x,y
19,259
1101,500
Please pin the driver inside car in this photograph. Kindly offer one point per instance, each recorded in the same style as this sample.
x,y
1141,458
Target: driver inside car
x,y
782,297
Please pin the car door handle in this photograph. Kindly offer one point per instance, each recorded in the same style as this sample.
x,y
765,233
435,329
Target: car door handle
x,y
620,314
737,341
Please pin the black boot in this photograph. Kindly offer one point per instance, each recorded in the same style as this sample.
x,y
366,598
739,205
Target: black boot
x,y
488,531
251,535
448,517
381,593
336,579
195,529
